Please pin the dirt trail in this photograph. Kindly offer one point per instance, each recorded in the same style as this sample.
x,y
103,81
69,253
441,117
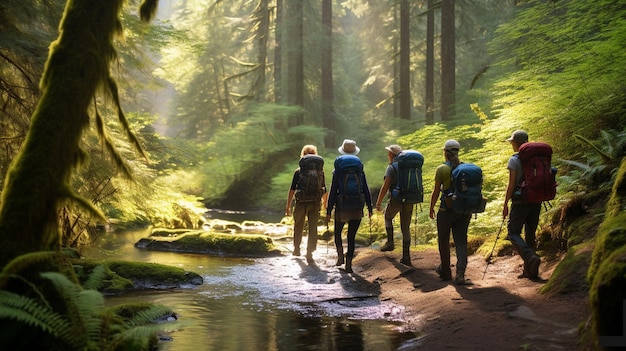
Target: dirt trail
x,y
499,312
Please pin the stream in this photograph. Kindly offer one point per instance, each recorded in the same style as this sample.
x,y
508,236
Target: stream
x,y
277,303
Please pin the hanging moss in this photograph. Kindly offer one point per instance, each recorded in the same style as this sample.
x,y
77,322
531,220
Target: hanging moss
x,y
37,183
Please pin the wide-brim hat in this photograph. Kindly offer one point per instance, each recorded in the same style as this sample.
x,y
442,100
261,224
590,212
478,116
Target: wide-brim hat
x,y
519,136
348,147
394,149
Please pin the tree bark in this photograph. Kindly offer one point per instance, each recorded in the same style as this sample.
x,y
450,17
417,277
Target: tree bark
x,y
448,65
405,53
430,65
278,53
328,109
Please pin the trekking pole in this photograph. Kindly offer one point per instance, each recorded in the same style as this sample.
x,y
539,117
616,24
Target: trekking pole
x,y
371,242
415,227
493,248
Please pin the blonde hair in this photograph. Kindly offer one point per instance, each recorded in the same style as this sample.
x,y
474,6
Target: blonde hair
x,y
308,150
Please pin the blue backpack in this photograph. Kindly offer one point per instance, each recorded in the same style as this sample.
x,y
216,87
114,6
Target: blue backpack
x,y
409,187
350,177
465,194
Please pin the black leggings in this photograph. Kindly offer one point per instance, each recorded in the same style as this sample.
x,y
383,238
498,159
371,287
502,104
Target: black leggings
x,y
353,227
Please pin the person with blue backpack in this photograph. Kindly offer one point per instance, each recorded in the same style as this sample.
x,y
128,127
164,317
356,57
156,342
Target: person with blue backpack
x,y
399,203
348,194
453,215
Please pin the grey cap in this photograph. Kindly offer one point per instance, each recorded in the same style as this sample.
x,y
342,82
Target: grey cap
x,y
519,136
452,145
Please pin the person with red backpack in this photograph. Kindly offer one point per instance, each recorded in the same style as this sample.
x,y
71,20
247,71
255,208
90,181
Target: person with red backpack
x,y
525,209
309,189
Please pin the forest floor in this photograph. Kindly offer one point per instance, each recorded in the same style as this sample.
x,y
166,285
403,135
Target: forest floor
x,y
497,312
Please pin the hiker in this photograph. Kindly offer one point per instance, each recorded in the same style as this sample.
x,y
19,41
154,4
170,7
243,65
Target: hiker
x,y
348,195
447,220
522,214
309,189
394,206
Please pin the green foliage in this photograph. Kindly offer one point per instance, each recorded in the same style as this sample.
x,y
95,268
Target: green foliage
x,y
63,315
555,88
602,162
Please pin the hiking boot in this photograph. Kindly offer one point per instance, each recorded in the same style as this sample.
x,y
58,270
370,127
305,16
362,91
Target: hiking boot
x,y
443,276
349,264
387,247
460,280
405,261
340,259
532,270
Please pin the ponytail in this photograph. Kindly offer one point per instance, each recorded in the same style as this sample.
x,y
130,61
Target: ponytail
x,y
453,158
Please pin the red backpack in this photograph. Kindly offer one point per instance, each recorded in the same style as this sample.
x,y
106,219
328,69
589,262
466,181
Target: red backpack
x,y
539,183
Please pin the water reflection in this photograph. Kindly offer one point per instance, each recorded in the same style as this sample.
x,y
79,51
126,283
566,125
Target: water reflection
x,y
279,303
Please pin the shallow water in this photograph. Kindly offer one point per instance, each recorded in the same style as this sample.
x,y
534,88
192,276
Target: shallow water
x,y
278,303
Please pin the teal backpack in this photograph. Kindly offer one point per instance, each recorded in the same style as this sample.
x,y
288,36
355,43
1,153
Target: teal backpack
x,y
409,188
465,194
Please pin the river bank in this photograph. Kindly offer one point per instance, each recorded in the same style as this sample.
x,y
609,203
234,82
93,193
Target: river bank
x,y
499,312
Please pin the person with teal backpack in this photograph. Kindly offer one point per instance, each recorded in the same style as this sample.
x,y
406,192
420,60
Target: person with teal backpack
x,y
403,181
452,218
348,194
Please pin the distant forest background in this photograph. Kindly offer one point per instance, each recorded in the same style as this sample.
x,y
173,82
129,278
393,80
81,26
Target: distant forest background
x,y
222,95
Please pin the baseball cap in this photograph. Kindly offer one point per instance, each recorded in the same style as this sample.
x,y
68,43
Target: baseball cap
x,y
519,136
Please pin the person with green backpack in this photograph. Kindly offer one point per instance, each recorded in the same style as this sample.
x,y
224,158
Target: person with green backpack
x,y
451,218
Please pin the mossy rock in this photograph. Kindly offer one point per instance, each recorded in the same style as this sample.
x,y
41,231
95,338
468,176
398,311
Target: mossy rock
x,y
570,275
121,276
214,244
607,295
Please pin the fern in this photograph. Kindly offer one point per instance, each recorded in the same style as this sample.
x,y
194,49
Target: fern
x,y
96,277
82,322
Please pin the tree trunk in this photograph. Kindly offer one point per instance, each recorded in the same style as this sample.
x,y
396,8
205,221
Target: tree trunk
x,y
405,52
295,57
448,64
278,32
328,109
38,182
430,64
261,36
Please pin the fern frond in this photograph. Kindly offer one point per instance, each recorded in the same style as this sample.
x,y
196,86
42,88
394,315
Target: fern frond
x,y
580,165
30,312
149,315
96,278
606,157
